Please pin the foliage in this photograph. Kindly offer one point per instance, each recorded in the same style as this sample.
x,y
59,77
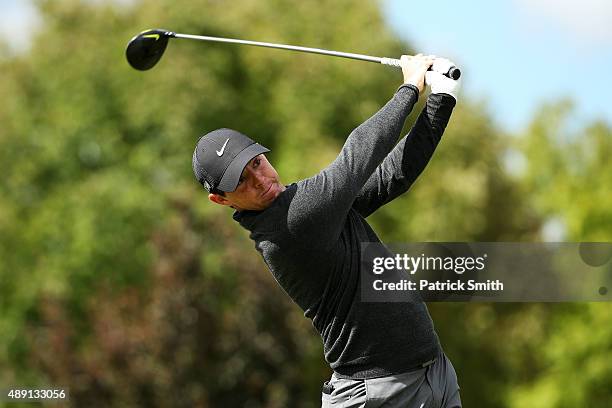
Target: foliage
x,y
120,280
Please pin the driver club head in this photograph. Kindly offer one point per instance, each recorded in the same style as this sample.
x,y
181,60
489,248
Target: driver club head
x,y
144,50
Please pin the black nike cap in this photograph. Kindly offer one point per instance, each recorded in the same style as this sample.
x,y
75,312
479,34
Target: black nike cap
x,y
220,157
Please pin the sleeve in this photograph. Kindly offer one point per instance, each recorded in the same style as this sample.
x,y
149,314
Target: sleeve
x,y
406,162
321,203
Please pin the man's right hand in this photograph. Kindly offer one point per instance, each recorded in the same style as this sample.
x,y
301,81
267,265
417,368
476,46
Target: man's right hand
x,y
414,69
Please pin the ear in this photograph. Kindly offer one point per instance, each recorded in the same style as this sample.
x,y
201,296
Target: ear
x,y
219,199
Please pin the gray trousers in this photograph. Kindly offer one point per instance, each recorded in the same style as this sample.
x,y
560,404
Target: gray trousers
x,y
433,386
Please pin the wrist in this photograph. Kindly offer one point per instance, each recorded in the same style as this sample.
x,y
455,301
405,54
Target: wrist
x,y
442,98
420,86
410,86
446,93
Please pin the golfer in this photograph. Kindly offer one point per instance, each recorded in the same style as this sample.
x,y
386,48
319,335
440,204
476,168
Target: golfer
x,y
309,234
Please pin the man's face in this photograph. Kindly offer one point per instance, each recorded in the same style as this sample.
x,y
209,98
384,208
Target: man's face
x,y
257,189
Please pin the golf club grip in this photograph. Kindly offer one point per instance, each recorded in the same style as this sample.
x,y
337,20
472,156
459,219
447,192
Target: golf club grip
x,y
453,72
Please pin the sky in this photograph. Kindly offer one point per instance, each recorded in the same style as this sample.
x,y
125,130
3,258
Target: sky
x,y
515,55
16,19
518,54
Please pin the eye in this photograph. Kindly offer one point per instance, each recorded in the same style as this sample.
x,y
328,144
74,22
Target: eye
x,y
240,180
256,162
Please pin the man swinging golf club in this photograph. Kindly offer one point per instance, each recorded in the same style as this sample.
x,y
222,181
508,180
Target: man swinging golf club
x,y
309,233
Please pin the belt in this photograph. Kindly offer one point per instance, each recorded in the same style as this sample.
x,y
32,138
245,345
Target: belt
x,y
428,363
329,388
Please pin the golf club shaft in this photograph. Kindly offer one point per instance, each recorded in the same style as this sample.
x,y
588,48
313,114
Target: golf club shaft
x,y
381,60
283,47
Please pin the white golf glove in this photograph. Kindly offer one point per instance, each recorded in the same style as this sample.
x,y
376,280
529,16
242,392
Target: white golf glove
x,y
440,83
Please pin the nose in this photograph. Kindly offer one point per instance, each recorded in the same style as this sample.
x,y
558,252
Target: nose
x,y
258,179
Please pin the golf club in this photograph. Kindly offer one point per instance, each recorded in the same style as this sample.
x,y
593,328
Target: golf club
x,y
145,50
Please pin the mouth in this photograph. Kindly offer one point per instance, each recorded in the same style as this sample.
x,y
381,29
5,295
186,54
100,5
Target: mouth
x,y
265,193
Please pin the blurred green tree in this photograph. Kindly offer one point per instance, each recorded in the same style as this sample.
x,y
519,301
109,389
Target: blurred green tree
x,y
568,179
118,278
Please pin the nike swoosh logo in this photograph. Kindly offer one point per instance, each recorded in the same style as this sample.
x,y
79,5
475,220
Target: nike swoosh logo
x,y
422,405
156,36
220,152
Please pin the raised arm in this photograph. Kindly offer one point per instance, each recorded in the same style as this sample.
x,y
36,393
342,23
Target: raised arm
x,y
321,203
406,162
